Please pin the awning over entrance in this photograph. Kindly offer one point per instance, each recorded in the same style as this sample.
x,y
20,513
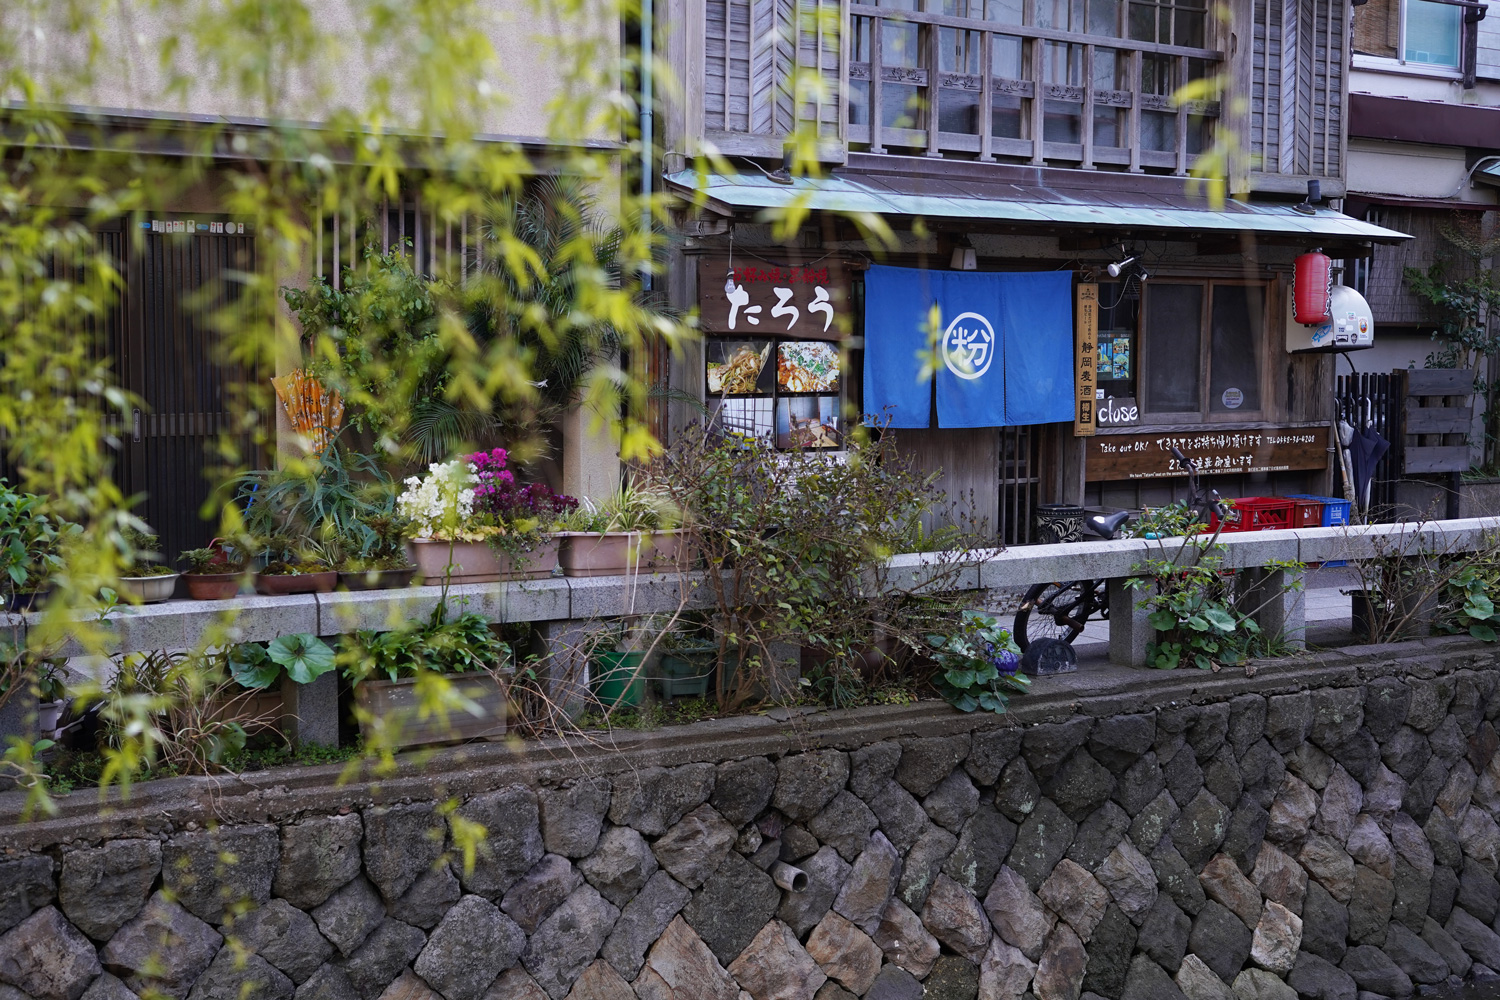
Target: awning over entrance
x,y
1021,204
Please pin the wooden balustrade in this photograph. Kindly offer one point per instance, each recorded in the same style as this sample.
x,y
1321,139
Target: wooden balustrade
x,y
1033,103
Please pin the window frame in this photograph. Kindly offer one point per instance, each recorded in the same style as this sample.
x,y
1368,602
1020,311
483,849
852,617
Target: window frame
x,y
1205,414
1399,63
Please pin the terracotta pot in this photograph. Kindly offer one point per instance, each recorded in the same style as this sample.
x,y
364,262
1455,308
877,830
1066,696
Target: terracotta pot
x,y
376,579
613,553
278,585
150,589
212,586
398,700
476,562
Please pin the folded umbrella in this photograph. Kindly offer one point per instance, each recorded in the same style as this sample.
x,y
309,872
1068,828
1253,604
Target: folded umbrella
x,y
1366,448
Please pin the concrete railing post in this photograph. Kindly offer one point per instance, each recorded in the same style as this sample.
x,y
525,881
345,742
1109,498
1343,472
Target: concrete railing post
x,y
1275,600
1129,631
311,711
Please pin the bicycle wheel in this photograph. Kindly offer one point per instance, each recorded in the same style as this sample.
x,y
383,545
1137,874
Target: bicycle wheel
x,y
1054,611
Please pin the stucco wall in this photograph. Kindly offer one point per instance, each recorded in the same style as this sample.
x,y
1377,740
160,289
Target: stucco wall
x,y
147,61
1318,828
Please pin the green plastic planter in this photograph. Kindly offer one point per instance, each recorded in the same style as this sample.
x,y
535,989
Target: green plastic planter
x,y
686,676
618,679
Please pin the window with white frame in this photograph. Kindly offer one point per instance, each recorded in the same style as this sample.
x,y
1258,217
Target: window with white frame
x,y
1411,32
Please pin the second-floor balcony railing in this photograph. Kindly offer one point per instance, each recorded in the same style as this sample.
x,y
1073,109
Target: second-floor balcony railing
x,y
1065,82
947,85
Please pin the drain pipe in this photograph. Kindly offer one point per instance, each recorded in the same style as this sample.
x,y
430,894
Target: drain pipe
x,y
648,123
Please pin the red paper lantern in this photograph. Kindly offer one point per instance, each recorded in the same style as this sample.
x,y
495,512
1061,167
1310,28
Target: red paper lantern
x,y
1312,290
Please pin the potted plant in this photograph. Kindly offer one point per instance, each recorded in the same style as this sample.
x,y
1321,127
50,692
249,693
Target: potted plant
x,y
143,576
471,522
214,572
435,681
294,565
382,562
632,530
30,547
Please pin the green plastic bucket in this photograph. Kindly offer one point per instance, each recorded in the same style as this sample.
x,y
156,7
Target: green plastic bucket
x,y
618,679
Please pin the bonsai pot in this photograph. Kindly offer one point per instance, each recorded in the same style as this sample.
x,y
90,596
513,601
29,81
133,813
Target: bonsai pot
x,y
277,585
397,701
150,589
212,586
376,579
613,553
477,562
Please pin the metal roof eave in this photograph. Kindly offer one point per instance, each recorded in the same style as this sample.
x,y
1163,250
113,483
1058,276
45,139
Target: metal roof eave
x,y
843,194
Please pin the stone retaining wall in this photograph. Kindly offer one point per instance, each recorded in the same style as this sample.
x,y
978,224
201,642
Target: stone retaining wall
x,y
1255,840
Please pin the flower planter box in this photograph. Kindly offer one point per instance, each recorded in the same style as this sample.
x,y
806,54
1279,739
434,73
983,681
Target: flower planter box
x,y
149,589
377,579
476,562
212,586
614,553
396,701
257,709
276,585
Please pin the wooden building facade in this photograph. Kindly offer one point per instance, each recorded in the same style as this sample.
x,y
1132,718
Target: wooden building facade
x,y
1023,136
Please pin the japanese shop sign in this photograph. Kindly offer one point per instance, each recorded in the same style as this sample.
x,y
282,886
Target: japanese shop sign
x,y
1085,363
1149,456
756,298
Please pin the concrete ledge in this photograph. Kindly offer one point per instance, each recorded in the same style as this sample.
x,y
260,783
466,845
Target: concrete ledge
x,y
156,807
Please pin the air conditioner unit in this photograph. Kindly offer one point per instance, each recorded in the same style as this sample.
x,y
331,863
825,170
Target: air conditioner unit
x,y
1349,327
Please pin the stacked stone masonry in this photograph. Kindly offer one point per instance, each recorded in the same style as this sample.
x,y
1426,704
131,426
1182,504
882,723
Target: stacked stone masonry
x,y
1336,843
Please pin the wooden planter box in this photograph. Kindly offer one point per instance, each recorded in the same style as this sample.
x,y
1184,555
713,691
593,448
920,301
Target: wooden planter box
x,y
398,700
257,709
476,562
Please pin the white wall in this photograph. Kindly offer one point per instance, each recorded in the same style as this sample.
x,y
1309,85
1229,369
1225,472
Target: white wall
x,y
138,69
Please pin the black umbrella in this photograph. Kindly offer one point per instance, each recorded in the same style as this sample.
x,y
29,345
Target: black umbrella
x,y
1365,451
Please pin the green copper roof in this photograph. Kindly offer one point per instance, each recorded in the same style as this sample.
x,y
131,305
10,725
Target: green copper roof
x,y
1017,204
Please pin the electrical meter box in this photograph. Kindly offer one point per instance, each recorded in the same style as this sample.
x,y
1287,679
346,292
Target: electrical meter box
x,y
1349,327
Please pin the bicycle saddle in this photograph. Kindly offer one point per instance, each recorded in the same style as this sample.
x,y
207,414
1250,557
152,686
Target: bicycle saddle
x,y
1106,525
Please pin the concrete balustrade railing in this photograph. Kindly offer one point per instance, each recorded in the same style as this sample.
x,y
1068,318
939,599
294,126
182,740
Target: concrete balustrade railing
x,y
182,624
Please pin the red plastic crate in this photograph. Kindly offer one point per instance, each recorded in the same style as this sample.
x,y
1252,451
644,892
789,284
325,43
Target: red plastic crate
x,y
1306,513
1258,514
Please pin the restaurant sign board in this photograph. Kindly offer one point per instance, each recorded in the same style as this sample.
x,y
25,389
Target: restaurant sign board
x,y
755,297
1086,359
1215,452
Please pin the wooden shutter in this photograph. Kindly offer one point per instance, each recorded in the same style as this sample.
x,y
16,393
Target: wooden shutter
x,y
755,51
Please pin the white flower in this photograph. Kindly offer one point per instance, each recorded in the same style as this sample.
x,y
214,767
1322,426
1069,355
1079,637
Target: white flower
x,y
441,504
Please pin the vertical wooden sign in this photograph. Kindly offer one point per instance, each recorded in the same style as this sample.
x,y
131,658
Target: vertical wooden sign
x,y
1086,359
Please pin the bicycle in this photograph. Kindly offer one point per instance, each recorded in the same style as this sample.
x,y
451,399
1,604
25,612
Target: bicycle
x,y
1060,610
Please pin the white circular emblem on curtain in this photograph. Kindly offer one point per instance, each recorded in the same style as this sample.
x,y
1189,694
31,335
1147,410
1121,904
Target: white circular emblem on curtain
x,y
968,345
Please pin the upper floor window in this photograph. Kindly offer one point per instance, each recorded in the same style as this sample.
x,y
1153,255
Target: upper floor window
x,y
1418,32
